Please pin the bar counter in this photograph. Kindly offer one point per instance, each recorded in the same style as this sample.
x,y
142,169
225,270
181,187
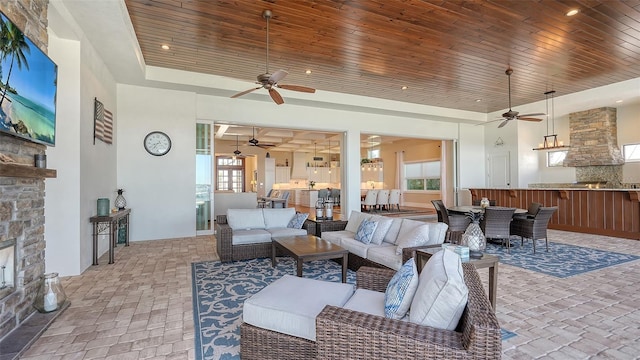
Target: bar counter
x,y
610,212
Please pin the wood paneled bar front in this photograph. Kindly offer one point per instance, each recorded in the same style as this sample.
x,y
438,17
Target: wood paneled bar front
x,y
610,212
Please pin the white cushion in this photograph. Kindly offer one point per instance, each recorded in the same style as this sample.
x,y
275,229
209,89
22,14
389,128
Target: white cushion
x,y
254,236
392,234
365,231
291,304
385,254
406,227
442,294
280,232
384,224
245,219
277,218
419,236
437,232
367,301
356,247
400,291
335,237
355,219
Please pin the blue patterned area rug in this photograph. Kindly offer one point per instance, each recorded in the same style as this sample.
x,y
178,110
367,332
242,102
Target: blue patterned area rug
x,y
219,291
562,260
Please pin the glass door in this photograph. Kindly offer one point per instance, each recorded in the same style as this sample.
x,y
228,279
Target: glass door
x,y
204,177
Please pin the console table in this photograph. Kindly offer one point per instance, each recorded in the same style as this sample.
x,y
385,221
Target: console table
x,y
109,223
316,227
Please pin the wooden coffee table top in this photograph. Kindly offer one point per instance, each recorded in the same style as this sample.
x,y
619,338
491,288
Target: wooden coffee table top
x,y
308,245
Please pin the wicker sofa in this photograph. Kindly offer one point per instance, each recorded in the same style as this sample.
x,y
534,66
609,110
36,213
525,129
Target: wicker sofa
x,y
348,334
381,255
246,233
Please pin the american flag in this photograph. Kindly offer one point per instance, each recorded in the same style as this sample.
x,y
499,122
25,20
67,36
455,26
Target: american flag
x,y
103,124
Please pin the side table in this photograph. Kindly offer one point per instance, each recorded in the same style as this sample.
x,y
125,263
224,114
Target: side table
x,y
316,227
487,261
110,223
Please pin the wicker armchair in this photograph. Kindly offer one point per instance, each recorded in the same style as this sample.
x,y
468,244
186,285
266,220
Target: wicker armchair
x,y
457,223
347,334
534,228
496,224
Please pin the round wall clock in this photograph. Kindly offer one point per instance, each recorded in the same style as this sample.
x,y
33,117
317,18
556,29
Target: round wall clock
x,y
157,143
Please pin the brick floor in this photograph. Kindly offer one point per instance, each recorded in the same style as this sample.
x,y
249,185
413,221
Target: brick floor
x,y
141,306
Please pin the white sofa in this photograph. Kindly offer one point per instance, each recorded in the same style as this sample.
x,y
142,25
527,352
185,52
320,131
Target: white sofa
x,y
383,250
246,233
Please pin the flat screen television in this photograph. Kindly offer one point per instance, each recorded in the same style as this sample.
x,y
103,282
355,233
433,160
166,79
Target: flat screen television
x,y
28,85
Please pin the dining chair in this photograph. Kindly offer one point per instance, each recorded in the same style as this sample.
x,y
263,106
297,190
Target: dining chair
x,y
496,224
534,228
370,200
394,199
532,210
457,223
335,196
323,194
382,200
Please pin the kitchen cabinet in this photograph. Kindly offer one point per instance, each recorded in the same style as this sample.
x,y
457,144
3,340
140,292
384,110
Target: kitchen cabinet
x,y
283,174
319,174
334,177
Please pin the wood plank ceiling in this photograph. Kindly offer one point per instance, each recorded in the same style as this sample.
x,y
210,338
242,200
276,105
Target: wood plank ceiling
x,y
448,53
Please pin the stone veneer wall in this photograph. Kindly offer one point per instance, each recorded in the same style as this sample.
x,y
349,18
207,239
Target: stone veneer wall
x,y
22,199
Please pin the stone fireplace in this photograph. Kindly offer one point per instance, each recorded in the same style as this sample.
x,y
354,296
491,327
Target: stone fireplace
x,y
594,148
22,194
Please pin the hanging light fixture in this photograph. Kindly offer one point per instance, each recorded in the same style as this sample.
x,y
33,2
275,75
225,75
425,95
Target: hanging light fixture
x,y
329,156
315,156
551,138
237,152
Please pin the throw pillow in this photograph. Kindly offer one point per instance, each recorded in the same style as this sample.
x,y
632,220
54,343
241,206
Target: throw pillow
x,y
442,294
355,219
384,224
297,220
400,291
365,231
406,227
416,237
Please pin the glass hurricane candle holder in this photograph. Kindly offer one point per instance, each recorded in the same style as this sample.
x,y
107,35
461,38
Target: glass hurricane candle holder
x,y
50,296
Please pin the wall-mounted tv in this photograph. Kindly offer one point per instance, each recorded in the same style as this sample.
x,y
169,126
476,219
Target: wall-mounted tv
x,y
28,84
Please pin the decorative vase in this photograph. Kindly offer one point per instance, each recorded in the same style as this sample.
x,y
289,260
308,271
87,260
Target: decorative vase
x,y
474,238
484,202
120,202
50,295
103,207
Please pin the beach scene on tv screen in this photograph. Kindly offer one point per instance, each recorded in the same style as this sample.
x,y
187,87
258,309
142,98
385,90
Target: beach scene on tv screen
x,y
28,82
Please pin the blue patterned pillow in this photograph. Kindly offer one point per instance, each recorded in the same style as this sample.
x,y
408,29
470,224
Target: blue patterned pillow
x,y
365,231
297,220
400,291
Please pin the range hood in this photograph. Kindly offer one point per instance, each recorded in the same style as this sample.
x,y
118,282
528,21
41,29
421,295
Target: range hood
x,y
594,138
299,170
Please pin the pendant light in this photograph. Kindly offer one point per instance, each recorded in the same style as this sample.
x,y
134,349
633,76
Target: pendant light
x,y
237,152
315,155
329,156
551,138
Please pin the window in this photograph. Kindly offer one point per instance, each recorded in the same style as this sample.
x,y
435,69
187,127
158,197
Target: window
x,y
631,152
421,176
556,158
230,174
373,153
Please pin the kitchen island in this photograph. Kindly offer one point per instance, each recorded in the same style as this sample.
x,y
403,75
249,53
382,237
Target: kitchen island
x,y
610,212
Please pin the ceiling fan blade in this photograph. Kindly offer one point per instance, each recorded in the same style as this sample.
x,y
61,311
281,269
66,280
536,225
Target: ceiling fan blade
x,y
489,122
245,92
276,96
536,114
277,76
529,119
504,123
297,88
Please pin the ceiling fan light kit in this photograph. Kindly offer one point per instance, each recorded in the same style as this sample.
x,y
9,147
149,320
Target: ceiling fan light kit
x,y
551,140
270,81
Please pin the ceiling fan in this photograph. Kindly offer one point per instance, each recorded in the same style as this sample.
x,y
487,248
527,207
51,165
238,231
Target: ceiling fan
x,y
254,142
270,81
511,114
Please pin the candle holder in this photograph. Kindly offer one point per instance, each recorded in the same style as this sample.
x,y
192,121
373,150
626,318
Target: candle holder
x,y
50,296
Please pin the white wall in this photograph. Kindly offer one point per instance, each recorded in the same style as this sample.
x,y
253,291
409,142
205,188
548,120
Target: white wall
x,y
160,190
86,171
471,153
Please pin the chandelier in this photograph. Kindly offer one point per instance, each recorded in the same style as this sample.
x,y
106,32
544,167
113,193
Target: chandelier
x,y
551,138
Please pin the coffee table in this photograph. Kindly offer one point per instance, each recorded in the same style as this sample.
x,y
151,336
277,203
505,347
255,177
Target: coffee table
x,y
308,248
487,261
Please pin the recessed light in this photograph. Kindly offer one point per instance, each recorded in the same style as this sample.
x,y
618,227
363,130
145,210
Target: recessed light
x,y
404,87
165,47
619,101
572,12
308,72
478,100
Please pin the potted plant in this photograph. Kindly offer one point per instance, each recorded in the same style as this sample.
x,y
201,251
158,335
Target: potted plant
x,y
312,184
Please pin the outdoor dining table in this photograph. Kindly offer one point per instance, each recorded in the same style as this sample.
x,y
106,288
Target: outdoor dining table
x,y
466,208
